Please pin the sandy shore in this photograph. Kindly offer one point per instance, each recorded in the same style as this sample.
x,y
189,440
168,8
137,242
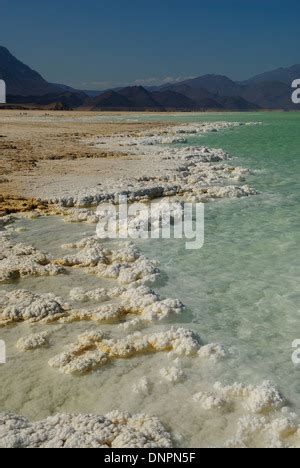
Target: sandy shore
x,y
39,150
74,159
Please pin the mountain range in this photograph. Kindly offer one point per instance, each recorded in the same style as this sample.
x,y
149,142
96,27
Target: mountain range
x,y
269,90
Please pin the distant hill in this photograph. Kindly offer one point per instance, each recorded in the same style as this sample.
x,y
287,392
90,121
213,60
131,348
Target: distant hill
x,y
218,85
140,98
129,98
261,92
212,92
283,75
269,95
63,100
270,90
173,100
108,100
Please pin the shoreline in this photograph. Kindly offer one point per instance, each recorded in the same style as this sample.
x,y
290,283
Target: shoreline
x,y
56,156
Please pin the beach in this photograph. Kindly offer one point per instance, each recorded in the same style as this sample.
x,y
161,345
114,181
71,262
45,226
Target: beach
x,y
167,344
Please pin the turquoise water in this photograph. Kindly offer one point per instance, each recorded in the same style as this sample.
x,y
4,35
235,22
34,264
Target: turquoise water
x,y
242,287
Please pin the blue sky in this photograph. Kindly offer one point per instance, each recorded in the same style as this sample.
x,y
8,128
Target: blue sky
x,y
96,44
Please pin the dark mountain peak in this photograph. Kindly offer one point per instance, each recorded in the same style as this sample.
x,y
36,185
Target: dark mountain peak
x,y
173,100
215,84
210,76
21,79
134,90
109,100
4,50
140,97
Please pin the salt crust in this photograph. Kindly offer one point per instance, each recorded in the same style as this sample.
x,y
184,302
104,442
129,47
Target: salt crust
x,y
172,374
34,341
21,305
189,169
115,430
125,264
20,260
273,431
92,350
263,420
140,301
261,399
142,387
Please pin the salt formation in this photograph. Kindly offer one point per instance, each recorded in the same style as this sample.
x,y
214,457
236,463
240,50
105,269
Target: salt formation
x,y
263,420
172,374
20,260
213,351
209,400
115,430
141,218
214,193
108,313
138,301
34,341
94,295
90,253
125,264
147,303
92,350
271,431
180,170
142,387
258,400
133,325
141,271
20,305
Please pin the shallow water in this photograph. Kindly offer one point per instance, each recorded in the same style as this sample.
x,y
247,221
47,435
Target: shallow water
x,y
243,286
241,289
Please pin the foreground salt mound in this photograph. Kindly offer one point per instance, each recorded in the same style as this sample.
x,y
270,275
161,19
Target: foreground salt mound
x,y
131,303
125,264
280,431
262,418
92,350
142,387
21,305
172,374
115,430
94,295
20,260
147,303
213,351
260,399
140,301
34,341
